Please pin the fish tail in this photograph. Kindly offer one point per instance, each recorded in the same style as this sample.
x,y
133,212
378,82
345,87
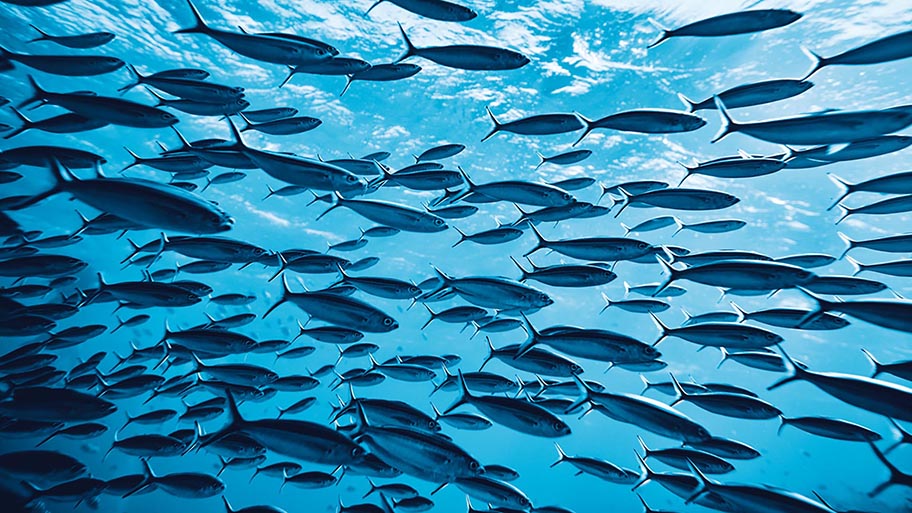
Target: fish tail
x,y
817,62
857,267
671,273
464,395
200,25
703,488
782,423
725,356
796,371
336,204
148,477
878,367
847,188
348,82
139,79
588,127
369,9
561,455
159,98
26,124
647,475
688,103
489,356
235,423
291,73
681,395
665,33
627,197
236,134
728,124
285,292
38,94
846,212
525,273
849,244
136,159
896,475
462,237
43,37
584,395
185,145
409,47
527,346
680,224
497,125
542,242
542,159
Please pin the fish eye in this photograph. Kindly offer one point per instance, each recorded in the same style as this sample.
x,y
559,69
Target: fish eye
x,y
473,465
387,322
558,426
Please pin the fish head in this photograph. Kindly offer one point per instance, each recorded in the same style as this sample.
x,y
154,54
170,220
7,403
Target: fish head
x,y
650,352
387,323
241,103
560,428
575,369
439,224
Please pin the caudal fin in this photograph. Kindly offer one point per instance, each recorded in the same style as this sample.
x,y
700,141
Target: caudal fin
x,y
409,47
199,25
497,125
728,125
817,62
688,103
665,33
846,187
588,127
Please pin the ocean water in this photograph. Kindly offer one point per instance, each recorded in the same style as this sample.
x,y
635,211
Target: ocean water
x,y
587,57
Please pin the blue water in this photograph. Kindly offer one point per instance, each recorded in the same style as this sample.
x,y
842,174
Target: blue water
x,y
587,57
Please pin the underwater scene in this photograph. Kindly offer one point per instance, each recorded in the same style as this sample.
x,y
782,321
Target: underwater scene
x,y
396,256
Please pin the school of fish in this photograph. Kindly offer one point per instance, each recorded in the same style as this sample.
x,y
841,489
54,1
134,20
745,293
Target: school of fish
x,y
164,389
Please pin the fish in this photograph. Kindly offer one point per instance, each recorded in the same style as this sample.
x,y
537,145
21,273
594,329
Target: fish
x,y
440,152
88,40
517,414
747,167
284,126
383,73
743,22
435,9
886,49
564,159
66,65
646,413
902,369
334,66
348,312
467,57
824,128
144,202
894,205
897,183
747,95
831,428
645,121
115,111
679,199
60,124
539,124
870,394
602,469
390,214
604,249
266,48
